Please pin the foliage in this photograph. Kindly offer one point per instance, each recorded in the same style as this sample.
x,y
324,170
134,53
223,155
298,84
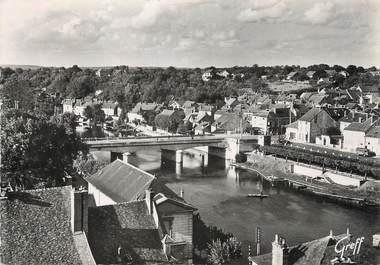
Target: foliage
x,y
241,157
37,150
171,122
185,127
204,235
94,113
87,165
223,252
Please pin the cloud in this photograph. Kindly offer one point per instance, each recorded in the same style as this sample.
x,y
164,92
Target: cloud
x,y
320,13
265,11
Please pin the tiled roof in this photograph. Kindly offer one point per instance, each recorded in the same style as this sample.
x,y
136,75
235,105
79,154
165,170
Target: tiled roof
x,y
123,182
293,125
36,229
125,225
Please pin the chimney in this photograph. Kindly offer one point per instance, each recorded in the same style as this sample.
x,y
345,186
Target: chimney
x,y
79,210
280,252
148,200
182,194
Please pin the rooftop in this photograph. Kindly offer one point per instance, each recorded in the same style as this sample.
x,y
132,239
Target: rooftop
x,y
123,182
125,225
36,229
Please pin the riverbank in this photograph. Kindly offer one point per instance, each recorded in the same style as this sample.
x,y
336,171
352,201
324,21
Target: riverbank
x,y
367,195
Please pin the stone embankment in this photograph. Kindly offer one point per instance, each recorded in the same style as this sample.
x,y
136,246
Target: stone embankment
x,y
368,194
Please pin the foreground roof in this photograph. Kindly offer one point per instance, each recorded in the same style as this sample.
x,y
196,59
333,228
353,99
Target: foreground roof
x,y
125,225
123,182
36,229
321,252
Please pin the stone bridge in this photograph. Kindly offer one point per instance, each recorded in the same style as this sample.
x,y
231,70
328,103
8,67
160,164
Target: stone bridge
x,y
172,147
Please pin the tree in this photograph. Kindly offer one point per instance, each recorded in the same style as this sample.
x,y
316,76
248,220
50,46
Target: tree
x,y
18,92
95,113
37,151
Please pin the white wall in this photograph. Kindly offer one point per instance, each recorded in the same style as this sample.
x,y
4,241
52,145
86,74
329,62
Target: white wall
x,y
99,197
353,139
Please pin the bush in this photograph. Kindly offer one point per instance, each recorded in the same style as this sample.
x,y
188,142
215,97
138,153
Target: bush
x,y
241,157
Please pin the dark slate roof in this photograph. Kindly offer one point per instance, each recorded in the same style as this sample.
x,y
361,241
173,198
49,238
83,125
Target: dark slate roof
x,y
309,116
128,225
354,117
36,228
309,253
123,182
359,127
374,132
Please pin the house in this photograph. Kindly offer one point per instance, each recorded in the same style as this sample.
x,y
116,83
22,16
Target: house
x,y
224,74
125,233
207,108
292,75
45,226
351,117
321,251
80,106
141,109
363,135
111,109
272,121
230,104
310,74
129,199
190,106
176,104
208,75
68,105
314,123
228,123
373,138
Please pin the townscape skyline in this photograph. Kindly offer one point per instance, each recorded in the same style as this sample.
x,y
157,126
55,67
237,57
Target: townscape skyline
x,y
191,33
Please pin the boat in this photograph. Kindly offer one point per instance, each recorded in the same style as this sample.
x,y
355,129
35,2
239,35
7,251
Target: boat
x,y
257,195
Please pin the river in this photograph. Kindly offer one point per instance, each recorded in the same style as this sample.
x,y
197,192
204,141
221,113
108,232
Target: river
x,y
218,191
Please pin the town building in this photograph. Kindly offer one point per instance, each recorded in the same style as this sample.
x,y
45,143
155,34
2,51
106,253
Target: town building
x,y
111,109
124,192
314,123
272,121
142,109
362,135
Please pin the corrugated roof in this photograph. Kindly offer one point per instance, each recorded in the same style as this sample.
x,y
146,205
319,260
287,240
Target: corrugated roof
x,y
123,182
125,225
36,229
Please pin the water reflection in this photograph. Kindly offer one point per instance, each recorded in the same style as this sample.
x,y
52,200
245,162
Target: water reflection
x,y
219,192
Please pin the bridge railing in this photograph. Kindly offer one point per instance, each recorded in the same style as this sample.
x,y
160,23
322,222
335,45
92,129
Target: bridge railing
x,y
140,137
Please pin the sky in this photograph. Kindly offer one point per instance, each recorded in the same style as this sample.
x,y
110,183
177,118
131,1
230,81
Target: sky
x,y
189,33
